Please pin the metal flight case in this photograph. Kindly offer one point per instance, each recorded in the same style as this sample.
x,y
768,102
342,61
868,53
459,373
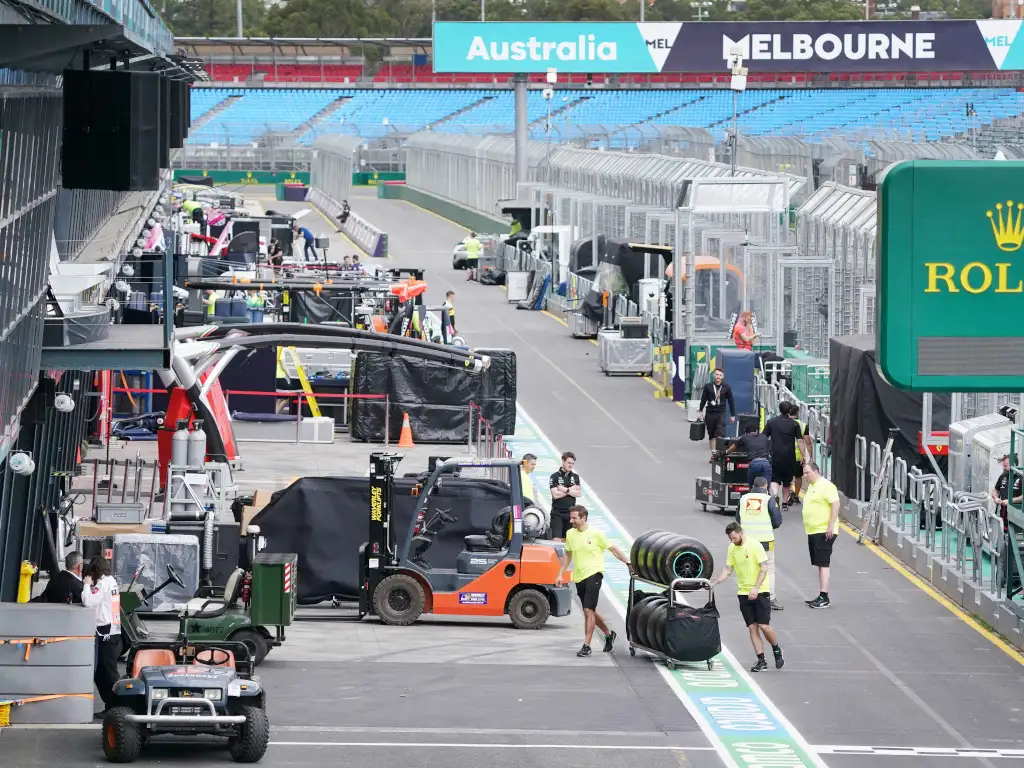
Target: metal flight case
x,y
709,619
728,482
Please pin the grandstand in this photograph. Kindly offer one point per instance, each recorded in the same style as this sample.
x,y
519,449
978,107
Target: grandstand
x,y
915,114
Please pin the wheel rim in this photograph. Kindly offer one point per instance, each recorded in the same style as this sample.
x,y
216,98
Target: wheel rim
x,y
399,600
687,565
529,609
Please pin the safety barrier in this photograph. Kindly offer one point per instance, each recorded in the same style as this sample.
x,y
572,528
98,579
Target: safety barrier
x,y
367,237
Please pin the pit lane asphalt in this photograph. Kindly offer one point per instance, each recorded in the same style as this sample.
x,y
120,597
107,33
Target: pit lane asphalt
x,y
886,666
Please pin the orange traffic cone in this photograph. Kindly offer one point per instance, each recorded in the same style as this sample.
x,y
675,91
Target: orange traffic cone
x,y
405,439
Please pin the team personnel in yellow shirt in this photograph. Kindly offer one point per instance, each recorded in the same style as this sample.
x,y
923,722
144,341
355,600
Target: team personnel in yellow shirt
x,y
585,547
759,514
821,520
749,561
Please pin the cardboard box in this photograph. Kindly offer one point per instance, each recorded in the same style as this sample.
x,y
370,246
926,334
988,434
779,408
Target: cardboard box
x,y
260,499
90,530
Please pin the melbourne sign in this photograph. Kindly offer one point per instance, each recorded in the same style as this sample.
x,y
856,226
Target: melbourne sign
x,y
951,276
654,47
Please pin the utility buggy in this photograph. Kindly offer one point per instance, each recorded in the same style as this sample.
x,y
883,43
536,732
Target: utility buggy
x,y
184,689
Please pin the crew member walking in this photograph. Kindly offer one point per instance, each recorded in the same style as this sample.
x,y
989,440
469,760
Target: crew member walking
x,y
758,448
565,491
585,548
310,242
713,399
760,515
748,560
783,433
1001,493
472,255
821,521
448,309
99,592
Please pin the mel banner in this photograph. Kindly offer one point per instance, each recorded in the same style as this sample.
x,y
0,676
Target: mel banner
x,y
773,46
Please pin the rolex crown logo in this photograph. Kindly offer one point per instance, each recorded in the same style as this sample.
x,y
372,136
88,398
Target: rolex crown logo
x,y
1008,231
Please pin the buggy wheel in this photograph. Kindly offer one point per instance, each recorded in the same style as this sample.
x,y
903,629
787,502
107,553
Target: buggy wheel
x,y
122,739
399,600
250,744
256,641
529,609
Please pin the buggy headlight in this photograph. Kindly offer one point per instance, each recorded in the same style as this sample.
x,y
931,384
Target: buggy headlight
x,y
237,687
159,693
213,694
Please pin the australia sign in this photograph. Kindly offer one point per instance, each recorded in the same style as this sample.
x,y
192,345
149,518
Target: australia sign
x,y
655,47
951,276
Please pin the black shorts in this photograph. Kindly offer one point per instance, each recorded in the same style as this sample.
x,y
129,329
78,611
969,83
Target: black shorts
x,y
559,524
714,422
820,549
757,611
785,469
589,590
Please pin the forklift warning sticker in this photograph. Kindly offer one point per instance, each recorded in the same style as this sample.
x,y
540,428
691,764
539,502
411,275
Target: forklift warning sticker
x,y
472,598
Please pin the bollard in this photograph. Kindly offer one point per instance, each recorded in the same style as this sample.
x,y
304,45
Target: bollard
x,y
25,581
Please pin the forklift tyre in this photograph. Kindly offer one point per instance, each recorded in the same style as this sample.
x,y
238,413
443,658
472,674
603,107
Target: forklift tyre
x,y
253,737
529,609
399,600
122,739
255,640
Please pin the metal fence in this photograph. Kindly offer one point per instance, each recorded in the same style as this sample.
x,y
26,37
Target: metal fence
x,y
334,160
30,120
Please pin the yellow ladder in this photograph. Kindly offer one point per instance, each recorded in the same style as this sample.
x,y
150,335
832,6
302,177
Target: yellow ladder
x,y
314,407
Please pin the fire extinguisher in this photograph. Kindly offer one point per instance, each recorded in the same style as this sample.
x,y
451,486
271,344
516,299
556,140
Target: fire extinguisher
x,y
247,588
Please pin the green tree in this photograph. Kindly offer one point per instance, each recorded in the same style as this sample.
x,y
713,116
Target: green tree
x,y
327,18
212,18
803,10
689,10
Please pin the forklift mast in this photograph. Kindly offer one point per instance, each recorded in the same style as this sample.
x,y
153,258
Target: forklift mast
x,y
378,552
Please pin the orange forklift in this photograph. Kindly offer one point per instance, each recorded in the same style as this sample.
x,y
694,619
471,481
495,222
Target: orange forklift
x,y
500,573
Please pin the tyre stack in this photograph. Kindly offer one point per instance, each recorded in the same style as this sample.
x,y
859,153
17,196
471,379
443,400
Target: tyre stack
x,y
660,557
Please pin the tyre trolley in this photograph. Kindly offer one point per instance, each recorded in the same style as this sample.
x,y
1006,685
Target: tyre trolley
x,y
640,639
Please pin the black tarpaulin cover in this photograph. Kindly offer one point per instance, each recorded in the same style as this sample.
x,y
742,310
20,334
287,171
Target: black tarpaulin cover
x,y
437,398
199,181
863,403
619,268
324,520
331,307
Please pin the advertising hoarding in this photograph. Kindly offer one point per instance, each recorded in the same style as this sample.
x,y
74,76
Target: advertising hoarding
x,y
516,47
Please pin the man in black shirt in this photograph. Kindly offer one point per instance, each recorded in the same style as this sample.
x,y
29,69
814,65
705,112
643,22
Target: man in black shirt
x,y
64,587
1000,493
783,432
565,493
758,448
713,398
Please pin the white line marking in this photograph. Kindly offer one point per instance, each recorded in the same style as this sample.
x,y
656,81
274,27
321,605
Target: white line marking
x,y
698,716
433,744
968,752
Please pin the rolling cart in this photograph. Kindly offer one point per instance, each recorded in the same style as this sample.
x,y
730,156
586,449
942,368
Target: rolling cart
x,y
728,482
707,654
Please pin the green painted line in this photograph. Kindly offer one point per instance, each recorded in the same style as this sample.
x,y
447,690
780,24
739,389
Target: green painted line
x,y
742,724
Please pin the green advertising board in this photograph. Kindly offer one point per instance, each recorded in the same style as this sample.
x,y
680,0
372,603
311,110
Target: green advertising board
x,y
951,276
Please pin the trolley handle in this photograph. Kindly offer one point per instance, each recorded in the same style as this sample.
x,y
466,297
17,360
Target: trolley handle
x,y
689,582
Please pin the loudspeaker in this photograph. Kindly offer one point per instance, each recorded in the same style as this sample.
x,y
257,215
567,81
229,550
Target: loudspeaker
x,y
165,122
179,117
111,132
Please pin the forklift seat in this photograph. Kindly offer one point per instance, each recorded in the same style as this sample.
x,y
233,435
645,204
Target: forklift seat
x,y
497,538
212,607
152,657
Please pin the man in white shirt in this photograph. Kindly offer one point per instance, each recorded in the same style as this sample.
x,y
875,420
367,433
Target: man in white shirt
x,y
100,592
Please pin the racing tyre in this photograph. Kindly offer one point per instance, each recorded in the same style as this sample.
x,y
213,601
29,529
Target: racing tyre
x,y
655,546
257,643
250,744
656,626
122,739
643,618
635,613
634,551
399,600
686,558
529,609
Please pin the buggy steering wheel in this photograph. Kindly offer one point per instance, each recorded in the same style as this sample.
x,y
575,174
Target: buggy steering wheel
x,y
213,660
173,575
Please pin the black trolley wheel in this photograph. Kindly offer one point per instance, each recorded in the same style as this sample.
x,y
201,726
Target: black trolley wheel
x,y
632,651
711,665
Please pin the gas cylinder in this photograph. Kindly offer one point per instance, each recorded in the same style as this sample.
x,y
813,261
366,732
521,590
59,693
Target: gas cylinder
x,y
179,445
197,446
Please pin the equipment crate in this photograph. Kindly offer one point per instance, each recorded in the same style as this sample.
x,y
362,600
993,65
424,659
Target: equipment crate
x,y
274,589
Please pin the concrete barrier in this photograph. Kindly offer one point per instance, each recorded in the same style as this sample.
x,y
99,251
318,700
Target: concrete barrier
x,y
49,668
369,239
447,209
